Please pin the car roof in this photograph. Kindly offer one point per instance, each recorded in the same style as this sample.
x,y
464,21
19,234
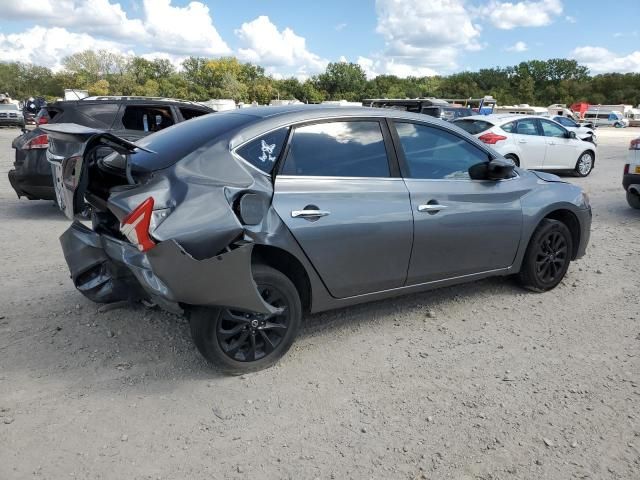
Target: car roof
x,y
315,112
499,118
129,100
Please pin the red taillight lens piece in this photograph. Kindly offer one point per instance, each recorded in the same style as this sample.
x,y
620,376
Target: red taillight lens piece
x,y
135,226
634,144
491,138
41,141
626,169
43,120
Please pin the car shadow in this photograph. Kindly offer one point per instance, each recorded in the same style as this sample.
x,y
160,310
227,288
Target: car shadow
x,y
33,210
134,347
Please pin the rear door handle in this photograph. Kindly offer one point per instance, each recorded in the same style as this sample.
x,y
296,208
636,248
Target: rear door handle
x,y
428,207
522,141
309,213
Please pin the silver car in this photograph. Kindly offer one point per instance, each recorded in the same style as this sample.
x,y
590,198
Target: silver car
x,y
247,220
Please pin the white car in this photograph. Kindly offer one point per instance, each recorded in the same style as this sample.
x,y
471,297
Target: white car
x,y
631,174
582,131
533,142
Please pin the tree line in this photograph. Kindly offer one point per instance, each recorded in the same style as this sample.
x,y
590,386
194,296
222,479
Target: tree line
x,y
536,82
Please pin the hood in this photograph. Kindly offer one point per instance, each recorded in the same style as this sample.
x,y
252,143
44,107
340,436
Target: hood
x,y
548,177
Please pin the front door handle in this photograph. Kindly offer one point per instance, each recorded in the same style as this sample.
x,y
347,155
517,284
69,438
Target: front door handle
x,y
429,207
309,213
522,141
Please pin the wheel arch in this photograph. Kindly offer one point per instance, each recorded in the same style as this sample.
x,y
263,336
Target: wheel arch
x,y
593,155
567,217
289,265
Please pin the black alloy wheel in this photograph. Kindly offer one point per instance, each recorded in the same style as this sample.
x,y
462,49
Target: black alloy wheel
x,y
238,341
247,337
547,257
551,256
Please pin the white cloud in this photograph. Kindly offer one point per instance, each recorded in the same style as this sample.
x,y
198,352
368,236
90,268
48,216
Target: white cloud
x,y
424,36
508,15
571,19
517,47
47,46
185,30
599,60
278,50
381,66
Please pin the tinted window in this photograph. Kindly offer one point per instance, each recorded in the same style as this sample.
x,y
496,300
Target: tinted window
x,y
473,126
146,118
436,154
565,121
527,126
102,114
188,113
263,152
338,149
552,130
509,127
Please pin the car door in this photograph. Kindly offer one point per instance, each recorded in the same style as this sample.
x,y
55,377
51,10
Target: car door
x,y
341,196
461,226
531,144
561,149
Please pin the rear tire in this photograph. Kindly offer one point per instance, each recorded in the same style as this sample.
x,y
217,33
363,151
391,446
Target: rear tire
x,y
513,158
241,342
547,258
633,200
584,164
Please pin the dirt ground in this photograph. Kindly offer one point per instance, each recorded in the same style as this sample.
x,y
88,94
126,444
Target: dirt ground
x,y
481,381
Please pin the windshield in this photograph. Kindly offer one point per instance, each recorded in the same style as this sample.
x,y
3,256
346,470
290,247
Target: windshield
x,y
473,126
176,142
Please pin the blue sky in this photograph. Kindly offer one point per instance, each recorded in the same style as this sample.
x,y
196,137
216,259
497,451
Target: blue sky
x,y
403,37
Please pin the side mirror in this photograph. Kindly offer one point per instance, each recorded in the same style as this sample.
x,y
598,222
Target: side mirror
x,y
497,169
571,135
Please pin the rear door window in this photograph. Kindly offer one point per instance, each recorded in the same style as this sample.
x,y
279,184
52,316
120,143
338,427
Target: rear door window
x,y
147,118
263,152
338,149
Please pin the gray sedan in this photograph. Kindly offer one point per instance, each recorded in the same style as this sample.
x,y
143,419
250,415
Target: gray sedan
x,y
248,219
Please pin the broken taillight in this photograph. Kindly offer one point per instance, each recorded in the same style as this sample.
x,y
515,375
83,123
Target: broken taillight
x,y
135,226
41,141
491,138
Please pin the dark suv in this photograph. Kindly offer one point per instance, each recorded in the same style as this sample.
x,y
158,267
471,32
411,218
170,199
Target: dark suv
x,y
128,117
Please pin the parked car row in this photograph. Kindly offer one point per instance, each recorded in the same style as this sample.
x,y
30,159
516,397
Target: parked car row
x,y
533,142
128,117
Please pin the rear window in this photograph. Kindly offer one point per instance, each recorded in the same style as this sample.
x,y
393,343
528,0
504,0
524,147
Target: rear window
x,y
147,118
189,113
184,138
473,126
91,115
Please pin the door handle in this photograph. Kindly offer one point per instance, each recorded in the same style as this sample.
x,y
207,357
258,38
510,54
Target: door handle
x,y
428,207
522,141
309,213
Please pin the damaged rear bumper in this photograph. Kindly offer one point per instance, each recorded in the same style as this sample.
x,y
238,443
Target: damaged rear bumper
x,y
106,269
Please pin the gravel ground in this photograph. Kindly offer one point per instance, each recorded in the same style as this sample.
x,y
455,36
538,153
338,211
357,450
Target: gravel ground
x,y
481,381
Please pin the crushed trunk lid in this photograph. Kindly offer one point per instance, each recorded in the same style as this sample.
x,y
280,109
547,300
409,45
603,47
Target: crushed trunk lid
x,y
71,148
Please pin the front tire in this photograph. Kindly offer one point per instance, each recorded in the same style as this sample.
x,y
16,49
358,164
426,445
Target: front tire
x,y
584,165
240,342
513,158
633,200
547,258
